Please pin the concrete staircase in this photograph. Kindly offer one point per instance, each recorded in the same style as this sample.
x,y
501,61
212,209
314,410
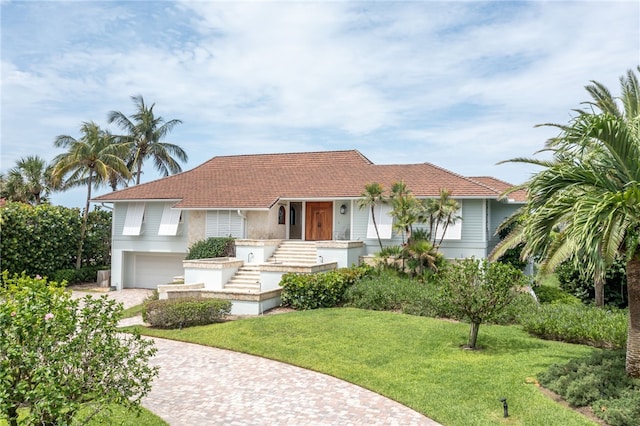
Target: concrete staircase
x,y
247,279
295,253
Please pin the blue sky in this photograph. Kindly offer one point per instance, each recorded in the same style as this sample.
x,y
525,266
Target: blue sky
x,y
457,83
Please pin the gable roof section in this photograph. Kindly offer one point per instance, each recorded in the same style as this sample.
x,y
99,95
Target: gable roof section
x,y
259,181
519,196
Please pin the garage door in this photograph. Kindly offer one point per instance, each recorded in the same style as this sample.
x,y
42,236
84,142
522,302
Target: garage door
x,y
150,270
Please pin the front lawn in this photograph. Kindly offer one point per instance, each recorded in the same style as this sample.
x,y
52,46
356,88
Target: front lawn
x,y
417,361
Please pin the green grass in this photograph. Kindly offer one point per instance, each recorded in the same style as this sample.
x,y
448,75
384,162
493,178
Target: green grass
x,y
118,415
132,311
417,361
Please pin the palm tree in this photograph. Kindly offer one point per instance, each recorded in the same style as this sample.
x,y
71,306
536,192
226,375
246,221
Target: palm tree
x,y
145,134
88,161
373,194
404,209
29,181
441,211
589,193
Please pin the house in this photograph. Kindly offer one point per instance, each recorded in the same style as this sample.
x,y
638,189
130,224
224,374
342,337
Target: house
x,y
269,202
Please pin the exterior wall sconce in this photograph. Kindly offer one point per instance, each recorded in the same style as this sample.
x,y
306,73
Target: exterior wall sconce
x,y
343,209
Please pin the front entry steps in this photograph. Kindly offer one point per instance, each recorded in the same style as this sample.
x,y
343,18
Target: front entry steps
x,y
295,253
246,279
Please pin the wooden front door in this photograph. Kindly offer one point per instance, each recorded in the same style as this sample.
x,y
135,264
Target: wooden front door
x,y
319,221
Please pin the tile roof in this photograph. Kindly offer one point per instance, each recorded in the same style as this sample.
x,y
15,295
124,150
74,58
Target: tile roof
x,y
518,196
259,181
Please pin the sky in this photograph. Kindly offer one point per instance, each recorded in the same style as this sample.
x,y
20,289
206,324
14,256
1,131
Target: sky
x,y
461,84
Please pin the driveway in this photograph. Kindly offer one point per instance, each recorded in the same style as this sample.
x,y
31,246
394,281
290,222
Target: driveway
x,y
200,385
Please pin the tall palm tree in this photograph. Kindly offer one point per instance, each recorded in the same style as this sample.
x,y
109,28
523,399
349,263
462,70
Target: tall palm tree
x,y
145,134
589,193
373,195
29,181
88,161
404,209
442,211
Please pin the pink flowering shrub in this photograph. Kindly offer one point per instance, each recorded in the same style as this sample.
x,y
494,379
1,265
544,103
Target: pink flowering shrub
x,y
58,355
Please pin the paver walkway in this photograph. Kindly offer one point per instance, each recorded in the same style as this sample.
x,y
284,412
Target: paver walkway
x,y
199,385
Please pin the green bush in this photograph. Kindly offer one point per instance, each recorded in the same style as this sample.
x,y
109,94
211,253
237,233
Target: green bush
x,y
573,281
185,312
548,294
599,381
323,290
384,291
43,239
61,357
38,240
75,276
212,247
604,328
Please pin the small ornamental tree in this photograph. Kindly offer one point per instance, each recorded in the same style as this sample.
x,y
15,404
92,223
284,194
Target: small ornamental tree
x,y
477,291
59,355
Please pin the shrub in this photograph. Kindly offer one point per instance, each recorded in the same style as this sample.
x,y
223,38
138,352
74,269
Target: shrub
x,y
605,328
185,312
38,240
573,281
385,291
212,247
59,356
74,276
548,294
478,291
323,290
599,381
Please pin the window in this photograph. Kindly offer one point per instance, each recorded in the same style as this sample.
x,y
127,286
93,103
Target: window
x,y
281,215
133,221
383,220
170,221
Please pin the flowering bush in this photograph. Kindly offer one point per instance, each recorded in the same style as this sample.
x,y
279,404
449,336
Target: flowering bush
x,y
58,355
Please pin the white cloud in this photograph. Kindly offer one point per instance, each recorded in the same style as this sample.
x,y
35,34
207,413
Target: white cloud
x,y
460,84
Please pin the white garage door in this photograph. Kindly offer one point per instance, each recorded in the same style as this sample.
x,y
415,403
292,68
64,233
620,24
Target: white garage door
x,y
150,270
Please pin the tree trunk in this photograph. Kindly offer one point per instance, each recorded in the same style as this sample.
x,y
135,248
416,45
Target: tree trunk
x,y
83,226
598,285
633,337
473,335
375,225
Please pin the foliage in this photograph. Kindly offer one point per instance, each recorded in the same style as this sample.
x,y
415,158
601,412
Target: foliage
x,y
185,312
43,239
322,290
372,195
96,249
385,291
59,355
588,194
89,161
144,139
477,291
576,323
212,247
75,276
28,182
574,281
38,240
512,256
413,360
548,294
598,381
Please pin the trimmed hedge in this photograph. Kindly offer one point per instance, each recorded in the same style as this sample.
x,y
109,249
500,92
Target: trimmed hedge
x,y
212,247
185,312
586,325
323,290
